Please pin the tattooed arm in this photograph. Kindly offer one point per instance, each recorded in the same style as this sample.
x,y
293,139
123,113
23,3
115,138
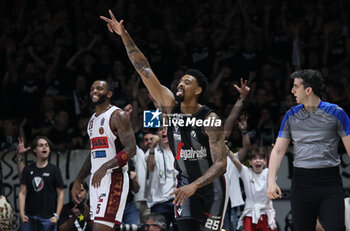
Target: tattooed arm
x,y
159,92
218,155
120,123
217,151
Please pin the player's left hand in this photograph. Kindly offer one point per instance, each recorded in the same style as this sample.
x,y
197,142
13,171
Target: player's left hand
x,y
181,194
97,177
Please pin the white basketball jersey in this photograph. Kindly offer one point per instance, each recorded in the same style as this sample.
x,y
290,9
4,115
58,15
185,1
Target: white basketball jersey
x,y
103,143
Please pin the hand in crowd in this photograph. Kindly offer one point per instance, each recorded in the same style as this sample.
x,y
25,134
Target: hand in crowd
x,y
155,141
21,149
242,123
24,219
75,211
54,220
244,89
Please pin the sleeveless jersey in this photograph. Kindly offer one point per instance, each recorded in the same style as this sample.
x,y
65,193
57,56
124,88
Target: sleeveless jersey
x,y
190,146
104,143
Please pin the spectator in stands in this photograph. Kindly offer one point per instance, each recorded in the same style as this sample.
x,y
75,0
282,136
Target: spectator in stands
x,y
41,192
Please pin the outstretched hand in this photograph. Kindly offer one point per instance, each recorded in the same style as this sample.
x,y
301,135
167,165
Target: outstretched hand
x,y
113,25
21,149
244,89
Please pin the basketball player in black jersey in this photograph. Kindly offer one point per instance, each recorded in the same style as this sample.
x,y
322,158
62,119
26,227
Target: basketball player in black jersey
x,y
200,197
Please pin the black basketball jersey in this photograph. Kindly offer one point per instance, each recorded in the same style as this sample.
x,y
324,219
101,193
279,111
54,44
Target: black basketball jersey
x,y
190,145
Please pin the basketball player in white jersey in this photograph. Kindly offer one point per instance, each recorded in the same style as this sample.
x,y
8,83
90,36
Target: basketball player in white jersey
x,y
112,145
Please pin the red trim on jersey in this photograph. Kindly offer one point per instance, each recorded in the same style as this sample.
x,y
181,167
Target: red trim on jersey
x,y
108,220
114,197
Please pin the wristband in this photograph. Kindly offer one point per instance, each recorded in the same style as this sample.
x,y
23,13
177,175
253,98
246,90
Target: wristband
x,y
122,158
244,132
55,214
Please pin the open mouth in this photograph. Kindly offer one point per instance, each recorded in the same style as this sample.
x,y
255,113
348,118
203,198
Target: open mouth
x,y
258,166
44,152
180,92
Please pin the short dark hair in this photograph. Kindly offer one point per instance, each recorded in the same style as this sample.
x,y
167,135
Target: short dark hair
x,y
158,220
200,77
311,78
256,152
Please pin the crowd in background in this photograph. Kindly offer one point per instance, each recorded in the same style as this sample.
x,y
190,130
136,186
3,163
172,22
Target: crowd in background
x,y
51,51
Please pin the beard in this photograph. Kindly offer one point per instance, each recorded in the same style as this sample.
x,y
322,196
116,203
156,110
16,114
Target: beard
x,y
101,100
180,99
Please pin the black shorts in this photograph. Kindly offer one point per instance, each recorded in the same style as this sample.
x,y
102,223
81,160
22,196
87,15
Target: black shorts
x,y
206,206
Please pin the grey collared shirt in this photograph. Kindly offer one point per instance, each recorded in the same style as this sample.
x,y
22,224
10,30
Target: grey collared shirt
x,y
315,135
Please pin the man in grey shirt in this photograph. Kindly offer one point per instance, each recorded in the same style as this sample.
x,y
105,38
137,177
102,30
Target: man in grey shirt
x,y
315,128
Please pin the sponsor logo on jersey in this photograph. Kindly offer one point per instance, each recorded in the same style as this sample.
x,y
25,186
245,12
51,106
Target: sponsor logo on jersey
x,y
38,183
102,121
100,198
190,154
101,130
46,174
98,154
99,142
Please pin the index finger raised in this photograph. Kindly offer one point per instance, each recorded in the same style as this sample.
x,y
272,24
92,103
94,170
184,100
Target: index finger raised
x,y
112,15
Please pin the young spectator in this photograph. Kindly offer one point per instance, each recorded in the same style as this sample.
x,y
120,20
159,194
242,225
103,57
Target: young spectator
x,y
258,212
75,216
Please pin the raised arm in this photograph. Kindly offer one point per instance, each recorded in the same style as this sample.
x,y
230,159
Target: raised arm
x,y
242,125
234,159
159,92
236,109
120,122
151,161
277,154
218,155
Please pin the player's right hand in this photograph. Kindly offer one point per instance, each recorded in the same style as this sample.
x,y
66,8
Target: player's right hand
x,y
273,191
76,191
113,25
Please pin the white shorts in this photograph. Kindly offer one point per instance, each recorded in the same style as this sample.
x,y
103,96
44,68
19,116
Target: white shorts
x,y
107,202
